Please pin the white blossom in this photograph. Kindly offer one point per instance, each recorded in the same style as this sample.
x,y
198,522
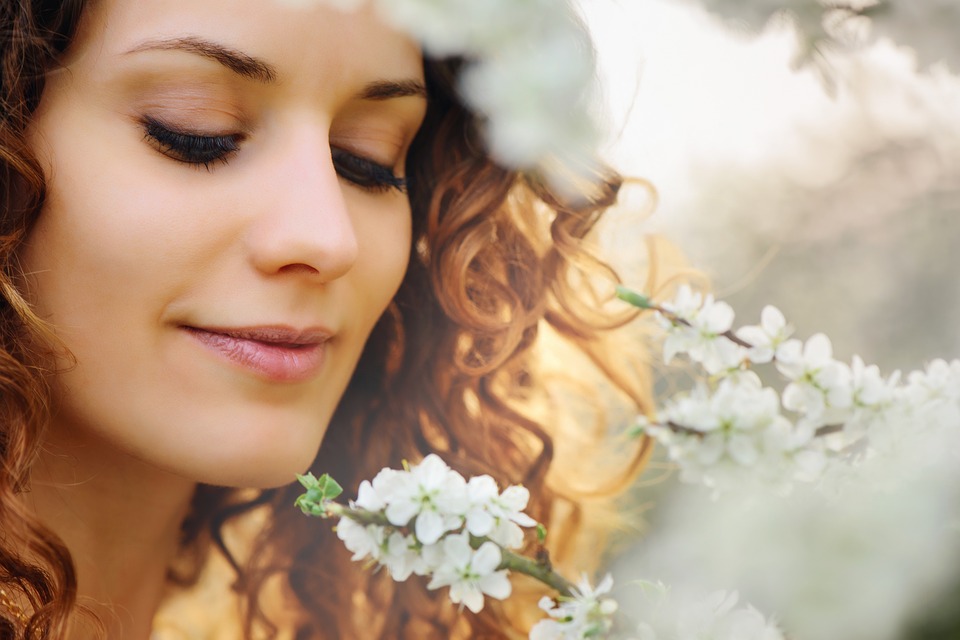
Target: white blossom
x,y
470,574
431,492
588,614
736,435
818,382
365,541
699,335
367,496
444,512
402,556
498,516
765,339
869,387
517,88
938,382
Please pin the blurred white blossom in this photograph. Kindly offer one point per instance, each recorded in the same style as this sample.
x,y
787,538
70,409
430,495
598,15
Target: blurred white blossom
x,y
365,541
735,436
698,335
818,383
767,338
728,432
529,75
713,617
929,27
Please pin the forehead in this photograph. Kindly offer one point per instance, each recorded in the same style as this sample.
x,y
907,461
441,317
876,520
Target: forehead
x,y
306,42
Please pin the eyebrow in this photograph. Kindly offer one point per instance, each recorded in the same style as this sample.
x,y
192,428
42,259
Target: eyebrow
x,y
387,89
238,62
265,73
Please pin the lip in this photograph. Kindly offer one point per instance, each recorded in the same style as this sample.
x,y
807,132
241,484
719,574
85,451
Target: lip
x,y
277,353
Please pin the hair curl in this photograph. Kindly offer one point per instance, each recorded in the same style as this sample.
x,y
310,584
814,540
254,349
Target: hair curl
x,y
497,258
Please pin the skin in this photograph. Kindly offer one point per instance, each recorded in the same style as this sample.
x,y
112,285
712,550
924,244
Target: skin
x,y
134,245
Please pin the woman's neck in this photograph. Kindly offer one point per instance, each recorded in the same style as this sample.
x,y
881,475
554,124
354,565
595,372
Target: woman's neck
x,y
119,517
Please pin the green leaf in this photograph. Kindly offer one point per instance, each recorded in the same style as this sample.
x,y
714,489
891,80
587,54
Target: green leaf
x,y
329,487
310,507
636,299
307,481
320,491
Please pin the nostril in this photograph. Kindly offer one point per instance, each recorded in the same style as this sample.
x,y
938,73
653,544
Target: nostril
x,y
299,268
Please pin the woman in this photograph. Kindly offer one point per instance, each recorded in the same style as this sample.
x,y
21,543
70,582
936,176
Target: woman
x,y
233,229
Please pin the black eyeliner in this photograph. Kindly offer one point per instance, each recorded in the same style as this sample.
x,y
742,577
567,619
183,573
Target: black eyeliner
x,y
366,173
199,149
189,147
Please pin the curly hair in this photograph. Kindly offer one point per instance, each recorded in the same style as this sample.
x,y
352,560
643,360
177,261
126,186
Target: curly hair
x,y
451,367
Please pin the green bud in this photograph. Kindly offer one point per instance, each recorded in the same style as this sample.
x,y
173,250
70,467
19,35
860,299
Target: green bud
x,y
639,428
541,533
632,297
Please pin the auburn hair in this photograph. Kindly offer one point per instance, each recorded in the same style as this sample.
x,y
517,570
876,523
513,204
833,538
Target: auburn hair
x,y
498,258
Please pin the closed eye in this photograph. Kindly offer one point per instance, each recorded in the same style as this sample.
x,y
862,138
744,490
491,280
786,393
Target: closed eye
x,y
203,150
191,147
365,173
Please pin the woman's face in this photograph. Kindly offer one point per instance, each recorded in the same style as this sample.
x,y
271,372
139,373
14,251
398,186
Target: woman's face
x,y
223,225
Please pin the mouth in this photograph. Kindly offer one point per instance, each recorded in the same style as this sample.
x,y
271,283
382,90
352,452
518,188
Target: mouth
x,y
275,353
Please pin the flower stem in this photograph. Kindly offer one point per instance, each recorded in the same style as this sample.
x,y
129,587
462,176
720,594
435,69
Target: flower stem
x,y
643,302
538,570
360,516
827,430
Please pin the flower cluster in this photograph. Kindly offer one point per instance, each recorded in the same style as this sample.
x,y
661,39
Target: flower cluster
x,y
731,428
427,520
525,58
432,518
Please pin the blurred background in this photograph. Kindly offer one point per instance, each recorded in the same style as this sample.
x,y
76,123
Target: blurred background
x,y
825,187
818,171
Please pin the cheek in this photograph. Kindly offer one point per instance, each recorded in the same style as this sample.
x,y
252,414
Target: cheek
x,y
113,230
112,247
385,239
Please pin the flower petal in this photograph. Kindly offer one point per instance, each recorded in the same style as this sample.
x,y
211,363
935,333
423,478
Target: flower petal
x,y
429,527
496,585
486,559
479,522
400,513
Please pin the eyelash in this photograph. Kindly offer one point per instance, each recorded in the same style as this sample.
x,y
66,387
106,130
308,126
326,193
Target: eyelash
x,y
203,150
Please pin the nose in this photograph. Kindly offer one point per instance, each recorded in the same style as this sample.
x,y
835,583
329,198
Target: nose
x,y
304,225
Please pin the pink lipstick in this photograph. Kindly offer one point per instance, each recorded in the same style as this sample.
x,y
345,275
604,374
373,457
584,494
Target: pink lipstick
x,y
277,353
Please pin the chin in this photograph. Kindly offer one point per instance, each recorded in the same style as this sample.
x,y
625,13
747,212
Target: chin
x,y
262,469
254,454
